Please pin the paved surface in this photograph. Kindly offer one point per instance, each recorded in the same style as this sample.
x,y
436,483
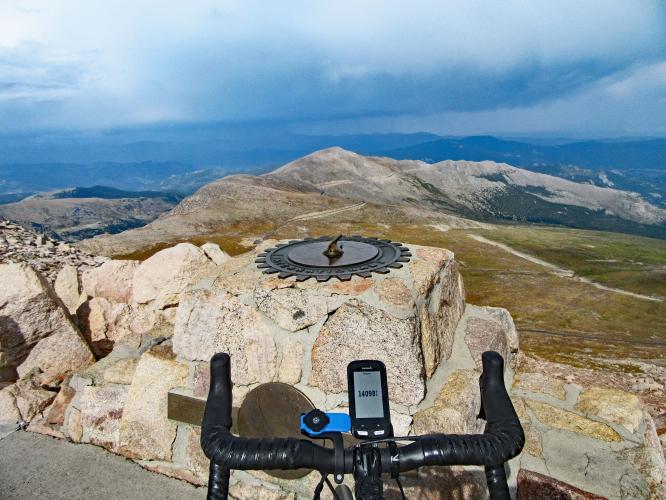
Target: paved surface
x,y
37,466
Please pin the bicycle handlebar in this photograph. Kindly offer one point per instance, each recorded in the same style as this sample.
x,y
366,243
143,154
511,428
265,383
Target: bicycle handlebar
x,y
503,438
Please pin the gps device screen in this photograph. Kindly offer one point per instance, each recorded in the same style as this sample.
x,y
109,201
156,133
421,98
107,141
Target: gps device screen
x,y
368,399
368,395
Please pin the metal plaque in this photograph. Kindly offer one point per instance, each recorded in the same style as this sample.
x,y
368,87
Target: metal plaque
x,y
274,410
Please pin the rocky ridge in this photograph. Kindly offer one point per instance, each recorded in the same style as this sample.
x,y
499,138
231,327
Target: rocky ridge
x,y
47,256
448,192
153,325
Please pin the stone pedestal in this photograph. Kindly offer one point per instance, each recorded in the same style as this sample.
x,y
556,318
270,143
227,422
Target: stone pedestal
x,y
144,399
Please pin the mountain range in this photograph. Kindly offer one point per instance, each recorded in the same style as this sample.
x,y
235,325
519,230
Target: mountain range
x,y
334,180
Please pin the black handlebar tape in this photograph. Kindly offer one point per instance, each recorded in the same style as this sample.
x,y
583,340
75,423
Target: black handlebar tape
x,y
218,482
232,452
502,440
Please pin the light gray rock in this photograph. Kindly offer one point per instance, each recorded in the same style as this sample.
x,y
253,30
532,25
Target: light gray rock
x,y
8,409
103,323
112,280
209,322
455,409
166,274
215,253
31,311
68,288
101,411
145,430
290,308
442,302
31,399
359,331
292,359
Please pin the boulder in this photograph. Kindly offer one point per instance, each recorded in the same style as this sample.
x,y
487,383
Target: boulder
x,y
103,323
209,322
540,383
145,430
31,399
359,331
619,407
101,411
167,273
56,414
112,280
562,419
68,288
486,335
8,410
441,302
291,308
62,352
31,314
455,409
292,360
215,253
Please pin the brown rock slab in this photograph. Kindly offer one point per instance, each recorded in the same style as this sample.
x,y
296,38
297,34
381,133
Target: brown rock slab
x,y
355,286
569,421
145,430
201,380
60,403
31,399
359,331
615,406
532,485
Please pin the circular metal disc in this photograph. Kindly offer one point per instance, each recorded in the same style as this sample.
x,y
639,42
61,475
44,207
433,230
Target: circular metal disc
x,y
312,254
274,410
304,259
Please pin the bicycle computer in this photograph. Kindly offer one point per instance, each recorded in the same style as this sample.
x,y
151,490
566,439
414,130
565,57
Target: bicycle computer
x,y
368,399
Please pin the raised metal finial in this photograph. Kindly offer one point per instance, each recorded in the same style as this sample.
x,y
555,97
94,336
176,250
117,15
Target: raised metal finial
x,y
334,251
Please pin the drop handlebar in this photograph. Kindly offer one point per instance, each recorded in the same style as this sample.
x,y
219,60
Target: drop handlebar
x,y
503,438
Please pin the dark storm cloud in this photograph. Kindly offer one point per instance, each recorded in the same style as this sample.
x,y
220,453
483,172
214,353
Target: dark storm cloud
x,y
67,63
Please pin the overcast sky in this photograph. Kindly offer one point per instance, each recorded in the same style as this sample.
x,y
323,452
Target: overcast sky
x,y
558,67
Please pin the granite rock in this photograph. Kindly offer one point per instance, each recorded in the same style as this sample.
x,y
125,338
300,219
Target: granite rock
x,y
359,331
145,430
210,322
